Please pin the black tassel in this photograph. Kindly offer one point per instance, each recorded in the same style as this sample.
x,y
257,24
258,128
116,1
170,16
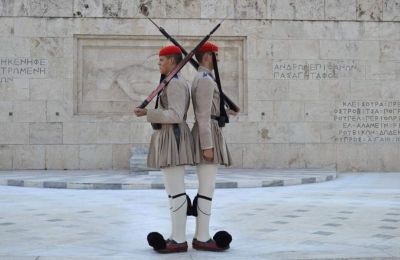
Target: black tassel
x,y
194,207
156,240
223,239
189,206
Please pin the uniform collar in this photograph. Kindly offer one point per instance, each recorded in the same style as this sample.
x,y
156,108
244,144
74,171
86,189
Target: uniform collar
x,y
205,70
177,75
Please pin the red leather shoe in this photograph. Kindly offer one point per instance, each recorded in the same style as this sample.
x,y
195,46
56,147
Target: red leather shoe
x,y
173,247
209,245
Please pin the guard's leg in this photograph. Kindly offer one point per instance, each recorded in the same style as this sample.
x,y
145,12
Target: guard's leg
x,y
202,239
206,174
175,187
167,190
174,184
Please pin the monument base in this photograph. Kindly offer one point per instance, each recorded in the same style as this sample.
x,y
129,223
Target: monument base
x,y
138,160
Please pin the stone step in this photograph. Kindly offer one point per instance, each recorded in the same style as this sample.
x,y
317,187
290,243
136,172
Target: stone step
x,y
125,180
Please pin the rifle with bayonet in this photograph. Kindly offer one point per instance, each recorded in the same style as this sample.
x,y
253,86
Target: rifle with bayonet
x,y
177,68
227,100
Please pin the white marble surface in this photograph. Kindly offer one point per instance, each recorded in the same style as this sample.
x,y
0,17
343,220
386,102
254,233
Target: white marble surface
x,y
355,216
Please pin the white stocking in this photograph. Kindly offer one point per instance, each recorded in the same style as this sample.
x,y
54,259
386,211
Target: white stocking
x,y
174,185
206,174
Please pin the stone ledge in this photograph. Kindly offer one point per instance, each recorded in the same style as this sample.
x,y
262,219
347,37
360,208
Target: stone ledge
x,y
123,180
362,10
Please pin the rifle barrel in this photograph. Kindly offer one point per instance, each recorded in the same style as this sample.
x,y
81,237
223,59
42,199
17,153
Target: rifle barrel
x,y
194,63
177,68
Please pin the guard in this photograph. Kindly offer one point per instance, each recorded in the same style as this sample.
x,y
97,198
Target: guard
x,y
171,148
210,148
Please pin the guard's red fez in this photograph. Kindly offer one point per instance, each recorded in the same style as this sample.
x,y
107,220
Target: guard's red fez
x,y
169,50
208,47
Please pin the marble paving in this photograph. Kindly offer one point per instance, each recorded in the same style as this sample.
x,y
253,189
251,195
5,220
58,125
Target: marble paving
x,y
355,216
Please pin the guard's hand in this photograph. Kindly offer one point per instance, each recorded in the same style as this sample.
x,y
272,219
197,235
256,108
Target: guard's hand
x,y
140,112
208,154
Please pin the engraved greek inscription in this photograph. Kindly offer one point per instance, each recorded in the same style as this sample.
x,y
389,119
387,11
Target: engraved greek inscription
x,y
314,70
11,68
367,122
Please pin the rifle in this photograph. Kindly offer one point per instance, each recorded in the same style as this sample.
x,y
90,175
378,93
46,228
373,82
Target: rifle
x,y
223,118
177,68
194,63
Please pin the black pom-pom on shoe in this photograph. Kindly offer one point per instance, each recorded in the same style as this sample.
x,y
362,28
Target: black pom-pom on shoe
x,y
156,240
222,239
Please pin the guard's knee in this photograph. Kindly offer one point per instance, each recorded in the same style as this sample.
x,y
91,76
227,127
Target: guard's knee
x,y
179,206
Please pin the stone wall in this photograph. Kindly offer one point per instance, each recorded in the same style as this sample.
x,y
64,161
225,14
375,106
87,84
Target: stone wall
x,y
317,80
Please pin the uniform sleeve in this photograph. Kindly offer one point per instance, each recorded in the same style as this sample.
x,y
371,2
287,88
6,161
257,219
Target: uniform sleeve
x,y
176,94
204,97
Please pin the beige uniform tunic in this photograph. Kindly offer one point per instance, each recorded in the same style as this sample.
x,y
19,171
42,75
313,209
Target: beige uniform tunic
x,y
164,150
206,132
